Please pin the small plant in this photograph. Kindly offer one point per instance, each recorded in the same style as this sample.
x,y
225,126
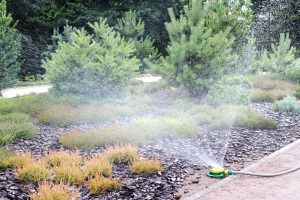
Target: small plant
x,y
62,157
34,172
121,154
288,104
4,156
297,94
146,166
100,185
69,174
98,166
18,161
49,191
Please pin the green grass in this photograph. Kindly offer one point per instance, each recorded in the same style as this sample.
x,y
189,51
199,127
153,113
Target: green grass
x,y
10,132
14,118
139,131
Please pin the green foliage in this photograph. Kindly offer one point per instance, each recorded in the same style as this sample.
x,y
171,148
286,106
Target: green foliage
x,y
234,90
96,65
281,62
10,132
288,104
4,155
14,118
133,28
10,47
297,94
200,48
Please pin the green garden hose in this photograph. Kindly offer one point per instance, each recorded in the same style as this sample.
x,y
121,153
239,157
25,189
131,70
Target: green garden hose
x,y
221,173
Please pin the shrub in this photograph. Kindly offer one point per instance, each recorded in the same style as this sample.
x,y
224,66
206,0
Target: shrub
x,y
18,161
95,65
288,104
98,166
11,132
10,47
34,172
99,185
259,95
69,174
121,154
200,48
146,166
48,191
297,94
4,156
62,157
139,131
231,91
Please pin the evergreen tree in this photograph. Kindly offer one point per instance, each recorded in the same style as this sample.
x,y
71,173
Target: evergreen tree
x,y
200,49
133,28
96,65
9,48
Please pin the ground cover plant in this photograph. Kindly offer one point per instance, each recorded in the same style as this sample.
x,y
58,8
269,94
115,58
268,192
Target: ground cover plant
x,y
266,89
138,131
63,169
288,104
146,166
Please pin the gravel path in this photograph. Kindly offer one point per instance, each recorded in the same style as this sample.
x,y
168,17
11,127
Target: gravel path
x,y
180,174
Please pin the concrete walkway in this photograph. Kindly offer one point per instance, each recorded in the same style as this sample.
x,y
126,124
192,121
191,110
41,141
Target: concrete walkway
x,y
21,91
238,187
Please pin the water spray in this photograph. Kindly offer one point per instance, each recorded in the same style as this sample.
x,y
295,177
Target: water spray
x,y
219,172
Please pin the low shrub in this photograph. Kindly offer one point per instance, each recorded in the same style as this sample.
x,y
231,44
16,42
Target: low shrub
x,y
146,166
34,172
233,90
121,154
4,156
18,161
9,132
49,191
98,166
139,131
297,93
62,157
288,104
100,185
69,174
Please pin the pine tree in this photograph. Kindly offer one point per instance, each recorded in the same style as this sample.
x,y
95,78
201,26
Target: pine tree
x,y
200,50
133,28
94,65
9,48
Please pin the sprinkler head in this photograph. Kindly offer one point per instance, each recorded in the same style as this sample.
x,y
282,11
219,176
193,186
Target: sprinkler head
x,y
219,172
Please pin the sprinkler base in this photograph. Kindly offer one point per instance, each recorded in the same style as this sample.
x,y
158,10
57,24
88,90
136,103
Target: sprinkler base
x,y
219,173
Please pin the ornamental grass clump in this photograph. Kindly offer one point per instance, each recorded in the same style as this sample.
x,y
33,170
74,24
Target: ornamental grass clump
x,y
287,105
98,166
121,154
69,174
57,158
146,166
18,161
48,191
100,185
34,172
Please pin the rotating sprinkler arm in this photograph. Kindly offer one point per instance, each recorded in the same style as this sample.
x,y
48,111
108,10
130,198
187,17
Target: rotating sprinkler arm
x,y
221,173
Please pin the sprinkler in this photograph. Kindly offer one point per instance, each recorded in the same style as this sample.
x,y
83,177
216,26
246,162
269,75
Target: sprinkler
x,y
220,172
